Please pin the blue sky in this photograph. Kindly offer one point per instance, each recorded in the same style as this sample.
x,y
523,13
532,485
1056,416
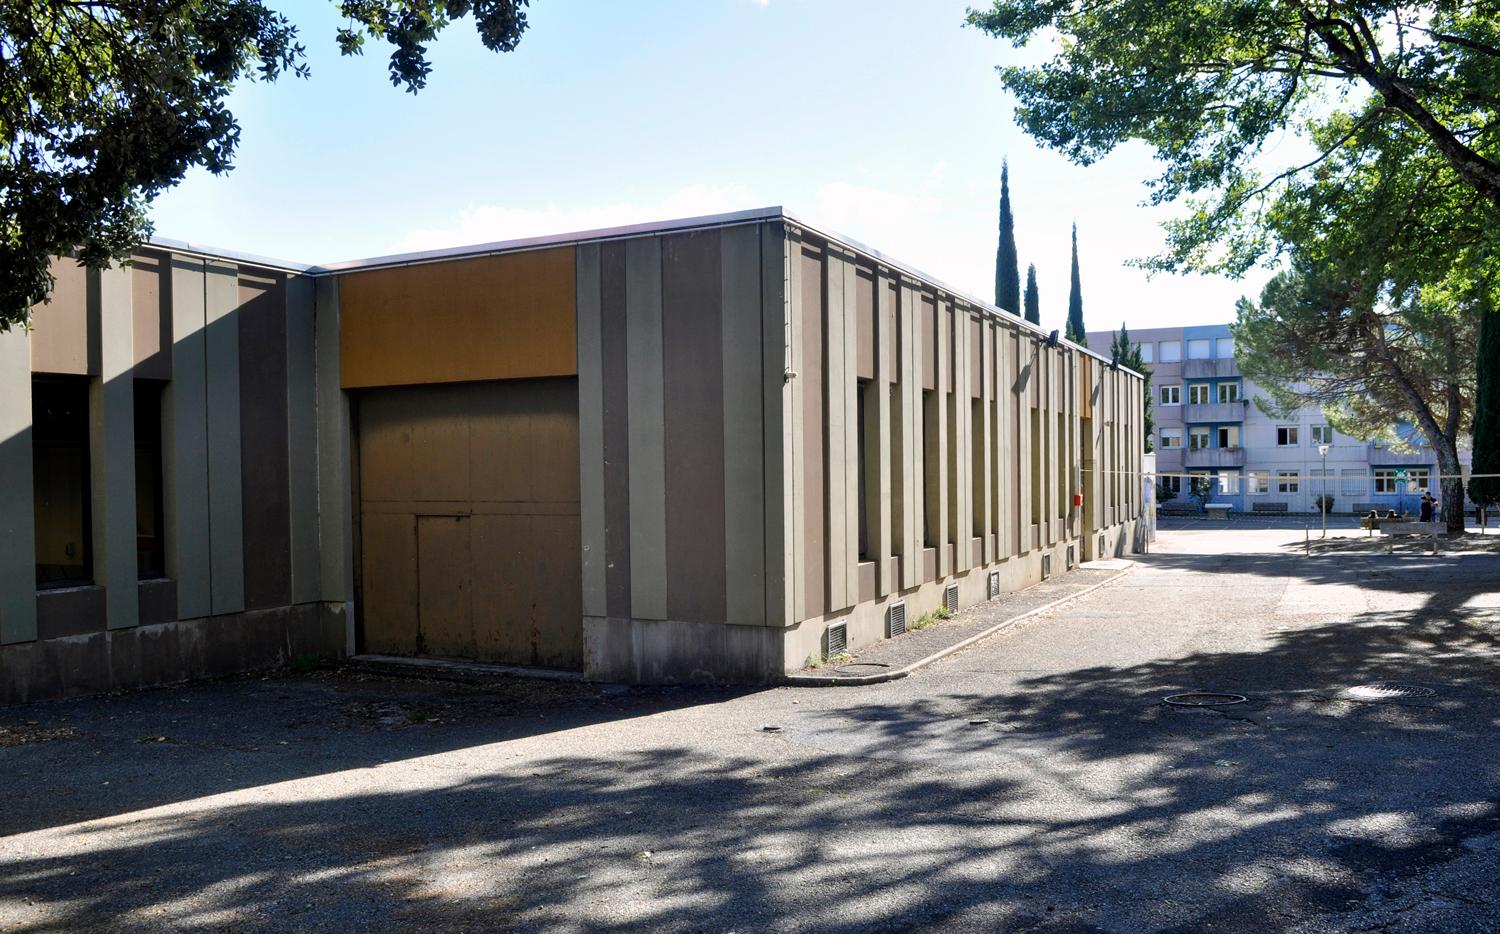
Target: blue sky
x,y
880,119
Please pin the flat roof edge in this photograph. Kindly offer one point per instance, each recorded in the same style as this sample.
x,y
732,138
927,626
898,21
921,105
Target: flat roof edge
x,y
207,252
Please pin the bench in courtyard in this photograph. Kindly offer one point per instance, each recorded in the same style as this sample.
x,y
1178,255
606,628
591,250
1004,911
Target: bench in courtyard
x,y
1217,510
1268,507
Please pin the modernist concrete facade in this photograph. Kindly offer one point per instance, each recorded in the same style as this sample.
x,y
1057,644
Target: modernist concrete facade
x,y
1207,424
692,451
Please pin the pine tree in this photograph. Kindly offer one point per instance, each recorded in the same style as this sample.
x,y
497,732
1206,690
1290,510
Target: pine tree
x,y
1485,491
1033,303
1076,331
1007,267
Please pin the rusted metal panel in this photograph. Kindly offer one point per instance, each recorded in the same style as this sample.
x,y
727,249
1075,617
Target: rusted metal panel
x,y
509,316
61,338
470,528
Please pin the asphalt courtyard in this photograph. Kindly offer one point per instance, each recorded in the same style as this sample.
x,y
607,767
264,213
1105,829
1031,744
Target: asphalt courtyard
x,y
1035,781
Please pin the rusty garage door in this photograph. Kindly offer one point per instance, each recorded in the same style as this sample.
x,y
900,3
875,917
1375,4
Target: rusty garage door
x,y
469,539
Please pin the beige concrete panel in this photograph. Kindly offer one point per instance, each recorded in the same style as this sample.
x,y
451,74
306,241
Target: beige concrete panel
x,y
302,438
743,434
152,315
591,429
865,326
776,430
880,456
988,437
185,444
796,406
112,448
63,338
17,507
647,429
962,400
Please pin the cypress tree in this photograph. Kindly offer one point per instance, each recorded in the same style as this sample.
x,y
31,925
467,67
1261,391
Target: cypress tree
x,y
1007,267
1033,303
1485,491
1076,331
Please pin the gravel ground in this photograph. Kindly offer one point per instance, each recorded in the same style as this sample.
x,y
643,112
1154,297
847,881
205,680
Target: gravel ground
x,y
1079,802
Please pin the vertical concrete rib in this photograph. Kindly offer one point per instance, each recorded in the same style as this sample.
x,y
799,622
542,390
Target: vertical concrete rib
x,y
775,296
797,582
591,429
648,507
225,502
745,554
944,396
963,400
835,375
17,509
335,497
112,445
987,437
885,582
911,435
302,437
848,397
185,444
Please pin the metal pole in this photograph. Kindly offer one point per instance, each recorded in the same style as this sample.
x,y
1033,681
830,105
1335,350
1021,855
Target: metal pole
x,y
1323,494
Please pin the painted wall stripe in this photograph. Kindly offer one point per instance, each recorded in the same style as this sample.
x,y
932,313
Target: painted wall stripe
x,y
17,509
112,446
744,463
185,444
302,437
648,510
225,502
591,428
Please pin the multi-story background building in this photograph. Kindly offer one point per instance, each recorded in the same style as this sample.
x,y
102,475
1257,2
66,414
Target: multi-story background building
x,y
1208,425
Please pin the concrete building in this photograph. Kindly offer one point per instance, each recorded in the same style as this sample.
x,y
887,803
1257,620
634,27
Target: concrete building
x,y
1207,424
702,450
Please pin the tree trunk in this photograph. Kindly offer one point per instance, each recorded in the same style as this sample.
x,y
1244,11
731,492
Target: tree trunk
x,y
1453,485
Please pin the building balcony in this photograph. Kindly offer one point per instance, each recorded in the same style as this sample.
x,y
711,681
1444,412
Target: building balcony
x,y
1215,413
1381,456
1213,457
1209,369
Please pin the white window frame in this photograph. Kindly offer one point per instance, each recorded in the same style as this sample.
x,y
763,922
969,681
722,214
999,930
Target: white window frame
x,y
1412,483
1171,482
1288,431
1219,348
1176,391
1170,435
1229,483
1234,430
1257,482
1287,481
1194,394
1148,352
1322,434
1197,344
1235,391
1171,352
1199,431
1385,481
1352,482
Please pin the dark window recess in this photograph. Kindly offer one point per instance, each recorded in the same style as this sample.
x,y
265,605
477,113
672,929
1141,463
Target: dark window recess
x,y
60,481
150,516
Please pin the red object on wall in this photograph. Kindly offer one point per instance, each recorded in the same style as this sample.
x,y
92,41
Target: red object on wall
x,y
1077,499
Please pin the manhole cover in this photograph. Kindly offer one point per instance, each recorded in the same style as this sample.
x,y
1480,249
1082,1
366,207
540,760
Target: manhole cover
x,y
1204,699
1385,691
862,668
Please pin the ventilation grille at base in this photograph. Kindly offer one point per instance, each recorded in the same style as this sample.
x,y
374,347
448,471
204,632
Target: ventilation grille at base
x,y
950,597
1046,566
1101,547
837,639
895,619
1072,556
993,586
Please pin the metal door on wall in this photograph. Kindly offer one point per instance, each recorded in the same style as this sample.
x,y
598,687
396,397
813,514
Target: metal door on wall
x,y
469,525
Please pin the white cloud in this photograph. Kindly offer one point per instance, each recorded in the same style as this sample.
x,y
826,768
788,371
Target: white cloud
x,y
488,222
